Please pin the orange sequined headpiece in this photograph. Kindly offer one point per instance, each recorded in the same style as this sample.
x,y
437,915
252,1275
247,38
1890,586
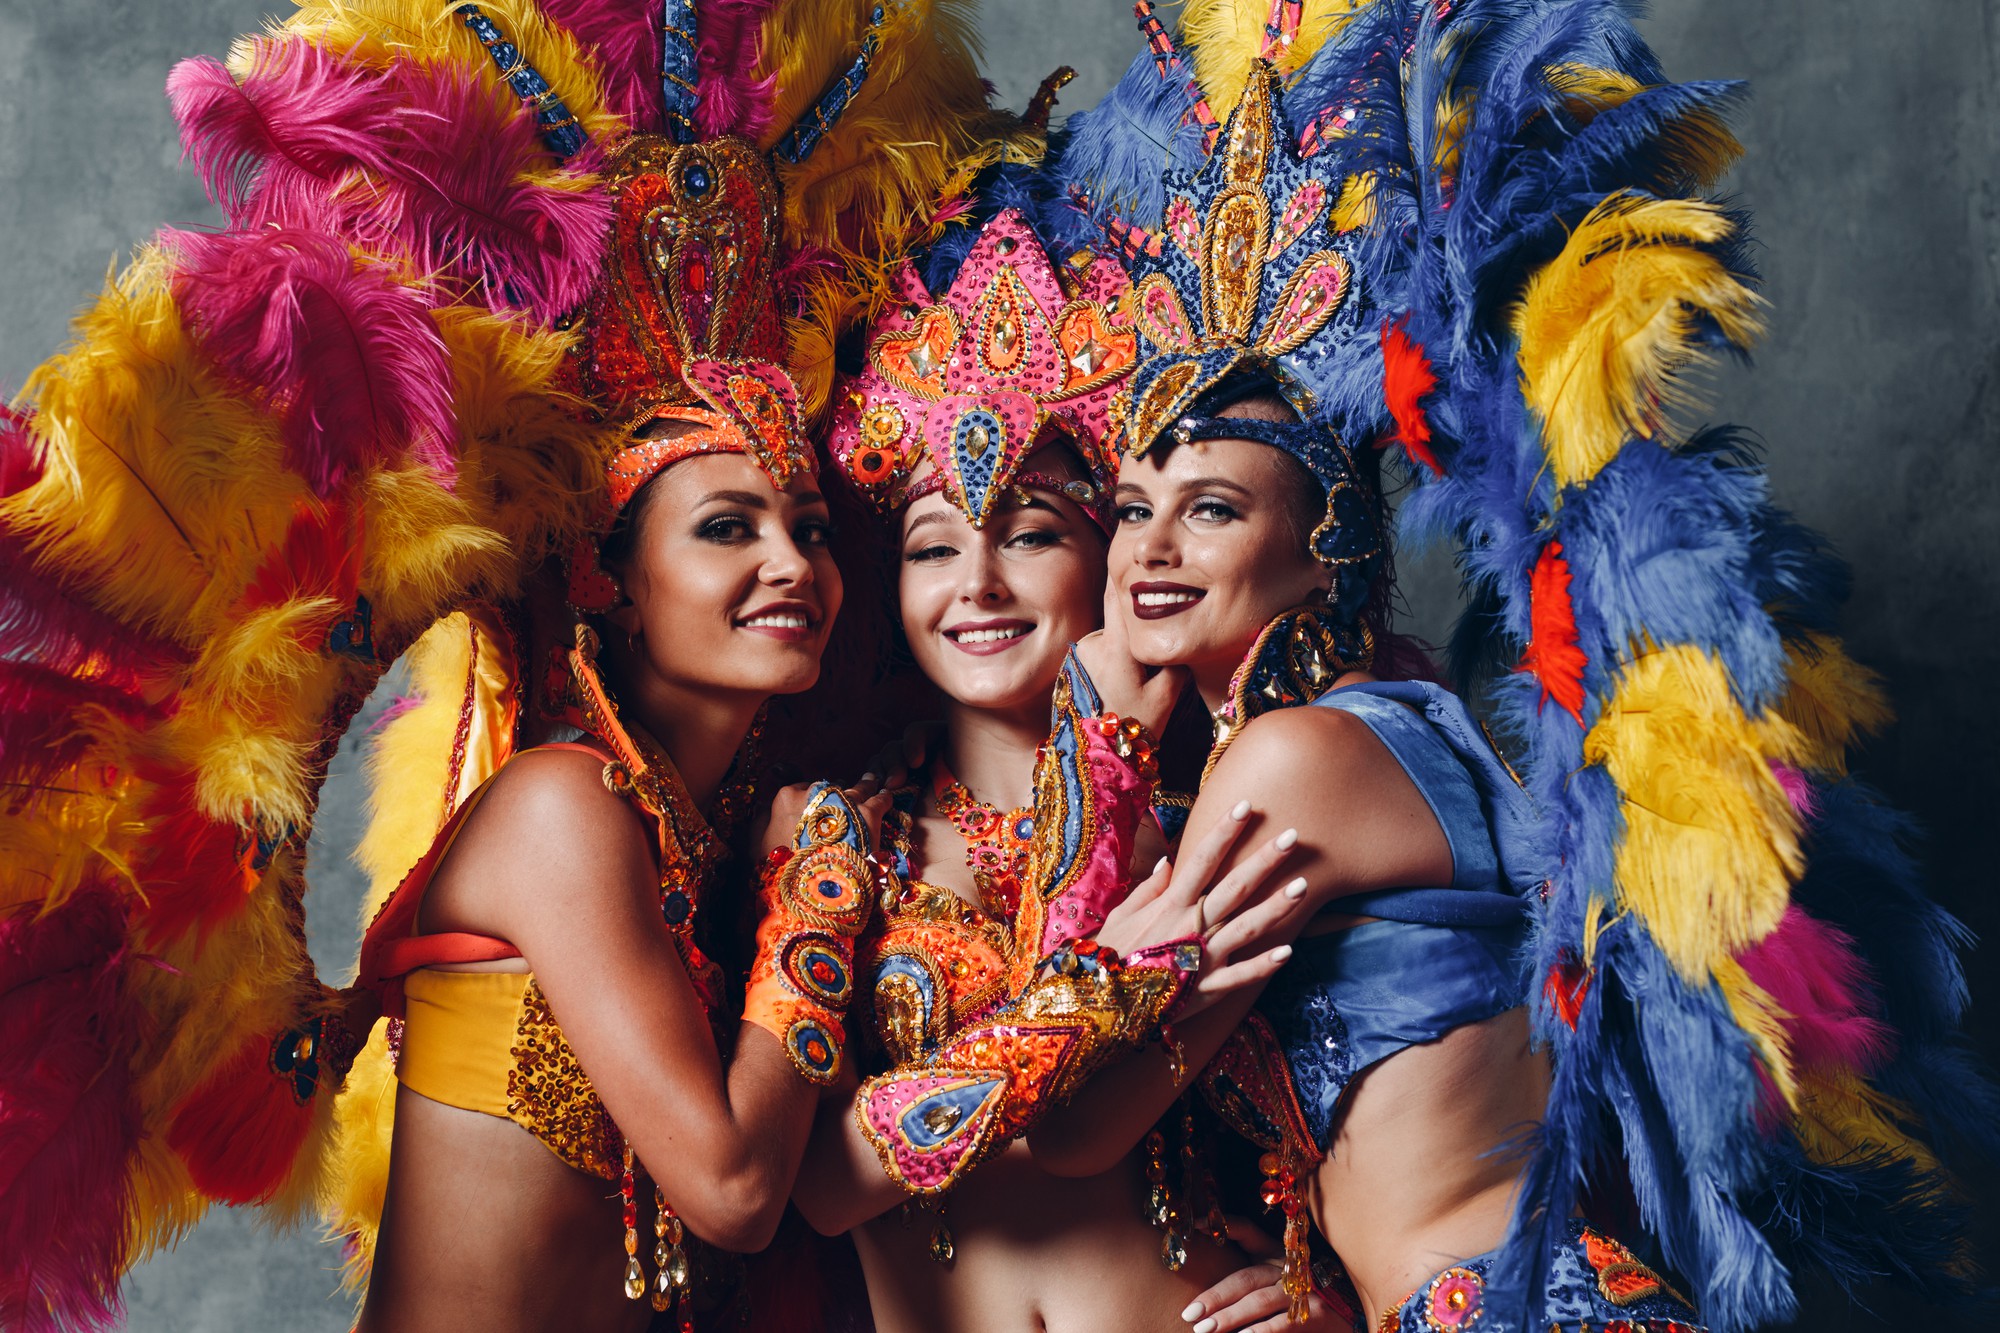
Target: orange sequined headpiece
x,y
685,324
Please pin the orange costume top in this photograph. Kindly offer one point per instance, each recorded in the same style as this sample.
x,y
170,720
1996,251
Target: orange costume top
x,y
486,1041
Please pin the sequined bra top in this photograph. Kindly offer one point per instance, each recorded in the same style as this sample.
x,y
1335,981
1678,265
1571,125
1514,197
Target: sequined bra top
x,y
935,962
486,1041
1434,959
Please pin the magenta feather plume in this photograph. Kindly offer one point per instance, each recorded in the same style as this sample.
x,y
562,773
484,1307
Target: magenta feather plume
x,y
730,46
44,620
1798,790
624,44
270,148
45,716
68,1124
456,199
1833,1012
20,456
431,164
345,351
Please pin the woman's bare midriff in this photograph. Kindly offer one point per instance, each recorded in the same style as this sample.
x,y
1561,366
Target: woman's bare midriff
x,y
485,1228
1419,1178
1035,1254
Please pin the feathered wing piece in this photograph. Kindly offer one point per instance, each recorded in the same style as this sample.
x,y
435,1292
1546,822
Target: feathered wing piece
x,y
273,458
1523,198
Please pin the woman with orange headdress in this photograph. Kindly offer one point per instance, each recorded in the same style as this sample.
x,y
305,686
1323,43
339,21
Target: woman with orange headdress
x,y
497,285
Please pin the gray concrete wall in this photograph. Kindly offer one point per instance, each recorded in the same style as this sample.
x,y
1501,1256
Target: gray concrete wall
x,y
1872,146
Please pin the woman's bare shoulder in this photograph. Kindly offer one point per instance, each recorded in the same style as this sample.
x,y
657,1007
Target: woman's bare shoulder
x,y
1321,752
546,830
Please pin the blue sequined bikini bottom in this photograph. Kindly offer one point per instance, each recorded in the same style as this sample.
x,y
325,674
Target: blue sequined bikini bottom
x,y
1594,1285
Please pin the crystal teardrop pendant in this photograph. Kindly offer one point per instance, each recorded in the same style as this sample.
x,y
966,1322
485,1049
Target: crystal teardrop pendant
x,y
635,1279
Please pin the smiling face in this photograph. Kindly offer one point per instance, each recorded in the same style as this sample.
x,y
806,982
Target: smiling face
x,y
730,586
1208,551
989,612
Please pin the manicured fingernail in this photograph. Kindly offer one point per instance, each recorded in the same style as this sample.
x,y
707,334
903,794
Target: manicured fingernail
x,y
1288,840
1296,890
1242,810
871,777
1205,1326
1194,1312
1161,868
1282,953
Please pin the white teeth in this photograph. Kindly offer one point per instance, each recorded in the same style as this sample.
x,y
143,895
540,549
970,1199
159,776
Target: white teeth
x,y
989,635
1167,598
778,621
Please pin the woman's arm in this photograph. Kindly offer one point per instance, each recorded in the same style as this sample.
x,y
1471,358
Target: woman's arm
x,y
1362,825
562,868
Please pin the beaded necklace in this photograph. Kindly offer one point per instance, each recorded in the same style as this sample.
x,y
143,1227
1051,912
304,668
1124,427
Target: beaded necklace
x,y
996,844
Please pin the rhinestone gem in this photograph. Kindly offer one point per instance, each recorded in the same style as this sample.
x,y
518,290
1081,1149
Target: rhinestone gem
x,y
942,1248
923,360
635,1280
1088,357
1005,334
1173,1252
942,1119
976,441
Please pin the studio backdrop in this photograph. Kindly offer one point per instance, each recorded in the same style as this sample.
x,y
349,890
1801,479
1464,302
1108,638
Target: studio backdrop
x,y
1873,173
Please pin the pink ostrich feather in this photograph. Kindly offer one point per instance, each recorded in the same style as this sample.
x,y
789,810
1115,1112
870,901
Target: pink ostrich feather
x,y
43,619
426,163
270,148
455,196
730,45
44,715
1812,972
346,351
1798,790
624,41
20,456
68,1125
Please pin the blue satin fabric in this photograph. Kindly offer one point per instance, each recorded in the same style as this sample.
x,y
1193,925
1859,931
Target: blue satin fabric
x,y
1441,957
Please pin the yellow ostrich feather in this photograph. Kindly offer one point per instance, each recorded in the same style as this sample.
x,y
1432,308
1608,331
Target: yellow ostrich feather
x,y
530,461
160,490
1711,843
426,550
1608,328
460,672
1840,1116
1833,700
1227,36
1758,1014
357,1189
917,120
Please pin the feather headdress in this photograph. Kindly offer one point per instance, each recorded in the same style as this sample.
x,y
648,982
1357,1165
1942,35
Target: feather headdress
x,y
277,456
1522,196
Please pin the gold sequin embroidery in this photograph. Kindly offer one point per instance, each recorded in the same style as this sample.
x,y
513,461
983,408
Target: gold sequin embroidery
x,y
550,1096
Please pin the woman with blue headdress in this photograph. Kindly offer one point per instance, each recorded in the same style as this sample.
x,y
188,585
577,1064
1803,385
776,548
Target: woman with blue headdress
x,y
1607,1031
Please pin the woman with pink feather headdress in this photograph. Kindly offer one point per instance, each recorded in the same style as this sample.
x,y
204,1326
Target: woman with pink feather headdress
x,y
499,364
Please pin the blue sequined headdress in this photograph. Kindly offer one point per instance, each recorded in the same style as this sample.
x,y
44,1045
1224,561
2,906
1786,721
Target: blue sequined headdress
x,y
1247,279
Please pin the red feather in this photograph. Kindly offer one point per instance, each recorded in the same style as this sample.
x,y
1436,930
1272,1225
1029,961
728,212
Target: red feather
x,y
1552,654
192,870
240,1132
68,1123
1406,378
733,99
624,44
456,200
321,557
347,353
